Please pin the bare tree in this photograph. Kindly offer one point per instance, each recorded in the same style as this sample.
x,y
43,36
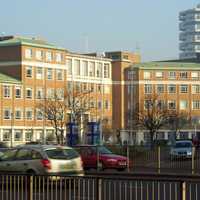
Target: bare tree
x,y
64,107
153,117
55,109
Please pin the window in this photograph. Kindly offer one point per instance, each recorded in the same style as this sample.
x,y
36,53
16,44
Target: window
x,y
23,154
6,91
7,113
147,75
84,86
39,93
106,104
28,53
85,68
39,55
171,88
60,93
106,71
91,69
99,70
172,104
49,74
161,104
29,135
195,89
194,75
6,137
160,88
183,75
29,72
147,104
159,74
50,93
29,93
69,66
106,89
18,135
172,75
39,115
49,56
59,74
29,114
196,105
77,70
183,88
147,88
18,113
39,73
58,57
183,104
18,92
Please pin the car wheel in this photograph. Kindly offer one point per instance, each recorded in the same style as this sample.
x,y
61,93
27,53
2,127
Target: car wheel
x,y
121,169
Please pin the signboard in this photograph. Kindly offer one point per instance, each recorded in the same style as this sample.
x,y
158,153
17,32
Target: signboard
x,y
93,133
72,136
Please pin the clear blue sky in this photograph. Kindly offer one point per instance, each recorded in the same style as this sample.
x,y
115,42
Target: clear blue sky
x,y
108,24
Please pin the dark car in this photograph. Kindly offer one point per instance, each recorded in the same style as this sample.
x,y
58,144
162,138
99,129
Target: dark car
x,y
107,159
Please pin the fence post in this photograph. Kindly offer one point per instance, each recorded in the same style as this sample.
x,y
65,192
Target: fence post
x,y
193,158
183,190
127,155
31,188
159,159
99,188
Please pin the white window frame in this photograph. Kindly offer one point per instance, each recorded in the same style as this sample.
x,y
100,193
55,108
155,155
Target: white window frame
x,y
7,89
7,117
31,89
18,117
39,73
28,53
29,69
181,105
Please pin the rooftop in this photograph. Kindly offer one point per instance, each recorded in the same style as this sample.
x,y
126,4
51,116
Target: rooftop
x,y
35,42
8,79
168,65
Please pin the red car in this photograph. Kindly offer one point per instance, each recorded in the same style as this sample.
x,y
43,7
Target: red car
x,y
107,159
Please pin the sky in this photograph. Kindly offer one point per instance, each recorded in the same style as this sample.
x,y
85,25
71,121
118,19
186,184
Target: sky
x,y
147,26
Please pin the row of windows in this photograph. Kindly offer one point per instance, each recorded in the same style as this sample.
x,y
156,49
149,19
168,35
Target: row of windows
x,y
171,75
48,56
40,94
39,73
29,113
85,68
172,104
171,88
7,92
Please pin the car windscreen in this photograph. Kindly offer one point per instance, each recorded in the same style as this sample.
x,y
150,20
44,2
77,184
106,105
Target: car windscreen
x,y
104,150
62,154
183,145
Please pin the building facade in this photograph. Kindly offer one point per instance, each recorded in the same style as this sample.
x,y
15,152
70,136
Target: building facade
x,y
189,33
121,60
38,69
177,86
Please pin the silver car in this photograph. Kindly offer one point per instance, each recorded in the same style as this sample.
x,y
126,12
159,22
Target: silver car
x,y
41,159
181,149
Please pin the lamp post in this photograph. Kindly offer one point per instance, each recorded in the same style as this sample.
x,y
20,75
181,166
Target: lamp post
x,y
11,136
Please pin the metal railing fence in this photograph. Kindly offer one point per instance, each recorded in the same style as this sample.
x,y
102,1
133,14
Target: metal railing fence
x,y
100,187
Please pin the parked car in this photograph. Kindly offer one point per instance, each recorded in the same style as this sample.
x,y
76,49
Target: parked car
x,y
181,149
41,159
107,159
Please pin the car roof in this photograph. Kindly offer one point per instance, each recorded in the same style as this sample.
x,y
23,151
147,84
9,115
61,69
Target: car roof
x,y
42,147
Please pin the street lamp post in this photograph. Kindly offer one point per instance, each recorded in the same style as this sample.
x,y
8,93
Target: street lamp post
x,y
11,138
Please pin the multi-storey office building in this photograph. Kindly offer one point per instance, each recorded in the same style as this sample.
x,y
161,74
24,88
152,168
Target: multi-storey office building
x,y
190,33
42,68
177,86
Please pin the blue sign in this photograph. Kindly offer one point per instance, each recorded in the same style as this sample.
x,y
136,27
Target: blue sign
x,y
93,134
72,136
